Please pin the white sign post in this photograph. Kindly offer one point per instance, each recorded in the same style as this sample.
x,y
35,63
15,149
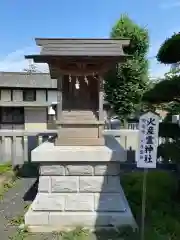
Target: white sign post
x,y
146,156
148,140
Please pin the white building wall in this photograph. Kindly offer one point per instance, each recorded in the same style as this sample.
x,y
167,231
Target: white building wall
x,y
52,96
41,96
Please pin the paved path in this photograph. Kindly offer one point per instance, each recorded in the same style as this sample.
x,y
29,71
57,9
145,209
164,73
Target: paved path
x,y
13,205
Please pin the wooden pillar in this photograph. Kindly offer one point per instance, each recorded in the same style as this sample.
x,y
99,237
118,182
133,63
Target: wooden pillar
x,y
59,98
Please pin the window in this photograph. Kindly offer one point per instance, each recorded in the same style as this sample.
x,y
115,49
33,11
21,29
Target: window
x,y
12,115
6,115
29,95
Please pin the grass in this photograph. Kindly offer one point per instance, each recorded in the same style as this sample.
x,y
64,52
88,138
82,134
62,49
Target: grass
x,y
5,167
162,206
20,235
19,219
78,233
8,177
17,222
5,187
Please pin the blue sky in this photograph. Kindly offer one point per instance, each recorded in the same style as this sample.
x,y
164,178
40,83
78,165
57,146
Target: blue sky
x,y
22,21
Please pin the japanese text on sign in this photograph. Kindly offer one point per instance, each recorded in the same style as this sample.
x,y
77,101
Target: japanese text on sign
x,y
148,140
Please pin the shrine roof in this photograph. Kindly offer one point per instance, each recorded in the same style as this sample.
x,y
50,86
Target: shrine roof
x,y
79,47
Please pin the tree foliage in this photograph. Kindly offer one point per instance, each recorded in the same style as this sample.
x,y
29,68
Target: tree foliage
x,y
32,68
169,51
167,90
126,83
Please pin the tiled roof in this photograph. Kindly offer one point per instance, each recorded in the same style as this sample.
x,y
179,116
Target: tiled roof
x,y
26,80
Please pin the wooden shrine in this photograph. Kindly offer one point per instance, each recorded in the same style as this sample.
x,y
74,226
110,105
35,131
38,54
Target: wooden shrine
x,y
79,66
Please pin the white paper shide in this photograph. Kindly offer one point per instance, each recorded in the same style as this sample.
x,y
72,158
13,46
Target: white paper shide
x,y
148,140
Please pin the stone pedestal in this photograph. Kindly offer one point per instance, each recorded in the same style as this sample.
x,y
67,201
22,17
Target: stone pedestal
x,y
78,186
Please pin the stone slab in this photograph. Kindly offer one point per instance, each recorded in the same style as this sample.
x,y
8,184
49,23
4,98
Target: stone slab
x,y
107,169
79,202
80,169
36,218
48,152
91,220
107,184
44,184
92,184
64,184
103,202
50,170
109,202
48,202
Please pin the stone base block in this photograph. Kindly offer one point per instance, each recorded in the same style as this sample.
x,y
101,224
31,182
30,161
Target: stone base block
x,y
58,221
79,202
63,211
79,186
48,152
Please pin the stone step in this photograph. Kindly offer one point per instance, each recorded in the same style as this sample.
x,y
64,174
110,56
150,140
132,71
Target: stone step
x,y
79,132
80,118
64,141
78,113
78,122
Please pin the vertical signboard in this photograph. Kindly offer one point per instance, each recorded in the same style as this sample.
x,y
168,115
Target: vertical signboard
x,y
146,156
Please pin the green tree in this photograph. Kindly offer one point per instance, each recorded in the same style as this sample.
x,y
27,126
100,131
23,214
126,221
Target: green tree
x,y
167,91
169,52
125,84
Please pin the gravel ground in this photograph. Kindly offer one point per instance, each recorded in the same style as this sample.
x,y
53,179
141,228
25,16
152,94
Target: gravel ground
x,y
12,209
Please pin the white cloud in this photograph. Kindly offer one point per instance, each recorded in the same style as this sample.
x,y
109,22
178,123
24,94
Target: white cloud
x,y
15,61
